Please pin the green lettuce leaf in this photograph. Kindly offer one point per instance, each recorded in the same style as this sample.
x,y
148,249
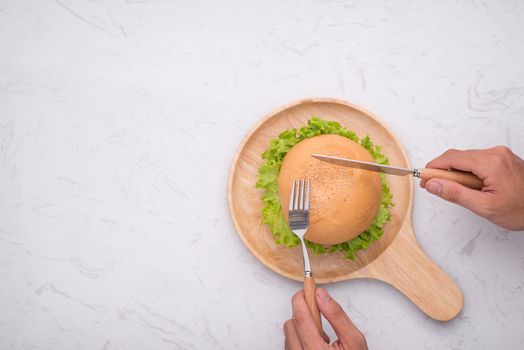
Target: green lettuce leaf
x,y
268,181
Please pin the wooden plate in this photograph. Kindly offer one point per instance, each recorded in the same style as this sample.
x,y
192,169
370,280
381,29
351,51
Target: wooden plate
x,y
395,259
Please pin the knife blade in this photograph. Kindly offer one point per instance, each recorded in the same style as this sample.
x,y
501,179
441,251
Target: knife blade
x,y
388,169
465,178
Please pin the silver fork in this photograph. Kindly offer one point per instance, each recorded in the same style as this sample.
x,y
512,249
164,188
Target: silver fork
x,y
298,219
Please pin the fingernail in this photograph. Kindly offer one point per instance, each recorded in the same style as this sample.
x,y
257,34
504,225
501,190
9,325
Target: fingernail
x,y
434,187
323,295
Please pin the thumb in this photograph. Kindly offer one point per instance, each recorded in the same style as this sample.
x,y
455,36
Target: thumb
x,y
347,333
455,193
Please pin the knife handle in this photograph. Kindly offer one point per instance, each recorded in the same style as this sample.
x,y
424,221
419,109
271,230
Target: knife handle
x,y
311,301
462,177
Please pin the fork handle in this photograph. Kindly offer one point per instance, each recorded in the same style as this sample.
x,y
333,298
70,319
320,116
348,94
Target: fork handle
x,y
309,294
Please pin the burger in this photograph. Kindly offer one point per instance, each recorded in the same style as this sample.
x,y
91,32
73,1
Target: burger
x,y
348,206
343,200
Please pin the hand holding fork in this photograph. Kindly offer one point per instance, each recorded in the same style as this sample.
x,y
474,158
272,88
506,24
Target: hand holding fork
x,y
298,219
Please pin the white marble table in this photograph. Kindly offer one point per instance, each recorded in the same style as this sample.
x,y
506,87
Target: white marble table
x,y
118,124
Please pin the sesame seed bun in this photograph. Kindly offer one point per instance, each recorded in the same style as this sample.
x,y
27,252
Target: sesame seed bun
x,y
343,200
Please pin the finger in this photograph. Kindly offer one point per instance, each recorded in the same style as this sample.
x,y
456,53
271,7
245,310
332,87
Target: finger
x,y
456,193
473,161
303,321
459,160
292,339
347,333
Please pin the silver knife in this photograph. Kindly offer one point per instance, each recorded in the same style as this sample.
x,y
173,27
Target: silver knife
x,y
467,179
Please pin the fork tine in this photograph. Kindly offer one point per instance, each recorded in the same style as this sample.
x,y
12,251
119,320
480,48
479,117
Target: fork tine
x,y
306,204
301,199
292,197
297,192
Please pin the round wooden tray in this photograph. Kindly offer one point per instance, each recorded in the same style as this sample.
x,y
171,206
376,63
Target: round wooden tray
x,y
395,259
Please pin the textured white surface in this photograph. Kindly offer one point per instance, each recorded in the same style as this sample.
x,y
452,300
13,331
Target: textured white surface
x,y
118,124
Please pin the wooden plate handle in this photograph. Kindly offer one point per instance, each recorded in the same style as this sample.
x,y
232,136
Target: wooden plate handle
x,y
309,294
406,267
467,179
